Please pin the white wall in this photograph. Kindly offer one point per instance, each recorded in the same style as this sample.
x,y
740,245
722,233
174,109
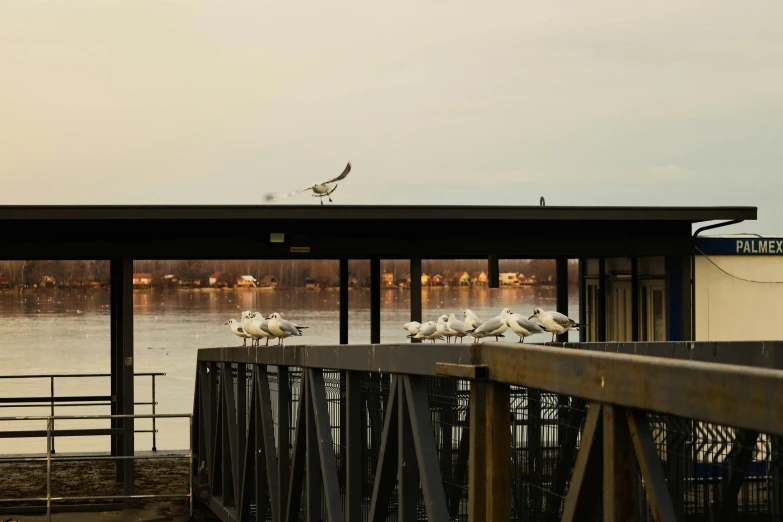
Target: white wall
x,y
728,309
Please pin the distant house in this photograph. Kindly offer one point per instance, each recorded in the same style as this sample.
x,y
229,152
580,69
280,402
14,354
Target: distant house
x,y
221,280
94,284
436,280
246,281
312,284
189,283
404,282
353,280
47,282
425,279
268,281
387,280
479,278
464,279
74,283
169,280
509,279
5,282
142,281
523,279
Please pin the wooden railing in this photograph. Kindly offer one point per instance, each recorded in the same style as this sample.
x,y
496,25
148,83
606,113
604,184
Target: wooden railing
x,y
491,432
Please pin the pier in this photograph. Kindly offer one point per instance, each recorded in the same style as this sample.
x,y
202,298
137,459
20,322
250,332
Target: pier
x,y
655,427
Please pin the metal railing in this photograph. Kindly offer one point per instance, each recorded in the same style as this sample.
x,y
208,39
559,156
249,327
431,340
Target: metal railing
x,y
53,401
50,434
397,432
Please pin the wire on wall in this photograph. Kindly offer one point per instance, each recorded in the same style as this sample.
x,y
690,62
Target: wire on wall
x,y
736,276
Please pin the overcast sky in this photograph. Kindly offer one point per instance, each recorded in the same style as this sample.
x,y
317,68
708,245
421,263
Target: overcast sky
x,y
608,102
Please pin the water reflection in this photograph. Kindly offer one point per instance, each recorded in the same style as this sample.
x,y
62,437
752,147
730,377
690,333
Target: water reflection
x,y
63,331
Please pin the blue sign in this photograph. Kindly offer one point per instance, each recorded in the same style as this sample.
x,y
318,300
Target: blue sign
x,y
750,246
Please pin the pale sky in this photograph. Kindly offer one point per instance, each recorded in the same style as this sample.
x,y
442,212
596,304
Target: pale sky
x,y
606,102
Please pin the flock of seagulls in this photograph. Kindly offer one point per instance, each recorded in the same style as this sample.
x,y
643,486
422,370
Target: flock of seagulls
x,y
448,326
254,326
322,189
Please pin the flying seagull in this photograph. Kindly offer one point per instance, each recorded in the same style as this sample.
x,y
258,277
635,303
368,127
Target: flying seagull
x,y
320,190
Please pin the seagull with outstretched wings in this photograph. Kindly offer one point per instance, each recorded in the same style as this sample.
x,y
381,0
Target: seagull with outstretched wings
x,y
320,190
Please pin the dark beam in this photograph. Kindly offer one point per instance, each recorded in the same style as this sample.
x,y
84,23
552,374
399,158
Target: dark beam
x,y
561,270
407,463
493,271
386,471
122,270
584,492
296,479
283,438
375,300
601,312
266,441
583,300
344,276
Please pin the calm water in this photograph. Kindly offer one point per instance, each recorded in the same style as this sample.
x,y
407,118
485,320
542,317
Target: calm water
x,y
68,332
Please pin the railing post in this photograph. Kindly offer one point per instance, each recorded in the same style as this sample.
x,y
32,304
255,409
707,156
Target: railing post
x,y
51,395
49,450
489,468
620,468
154,428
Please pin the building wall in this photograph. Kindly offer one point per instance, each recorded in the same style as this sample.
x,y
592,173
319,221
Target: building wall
x,y
728,309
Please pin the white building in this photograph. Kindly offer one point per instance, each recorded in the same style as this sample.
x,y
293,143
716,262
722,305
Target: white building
x,y
739,288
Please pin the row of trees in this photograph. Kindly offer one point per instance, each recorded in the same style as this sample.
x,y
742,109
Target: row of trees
x,y
288,272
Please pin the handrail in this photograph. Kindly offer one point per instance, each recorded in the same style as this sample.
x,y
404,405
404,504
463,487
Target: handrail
x,y
73,401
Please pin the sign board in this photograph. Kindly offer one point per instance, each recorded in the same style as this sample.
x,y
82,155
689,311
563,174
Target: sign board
x,y
300,250
740,246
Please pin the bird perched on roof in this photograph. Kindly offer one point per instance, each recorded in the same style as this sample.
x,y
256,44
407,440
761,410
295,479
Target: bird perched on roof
x,y
523,326
554,322
320,190
237,330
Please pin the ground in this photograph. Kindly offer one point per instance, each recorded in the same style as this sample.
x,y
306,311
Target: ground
x,y
70,479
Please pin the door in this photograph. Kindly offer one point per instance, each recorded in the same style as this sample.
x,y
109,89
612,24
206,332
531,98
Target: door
x,y
652,310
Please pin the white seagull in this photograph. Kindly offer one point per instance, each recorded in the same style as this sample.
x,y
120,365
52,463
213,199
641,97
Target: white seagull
x,y
412,327
492,328
443,328
320,190
523,326
237,329
258,327
428,331
281,328
554,322
472,321
457,327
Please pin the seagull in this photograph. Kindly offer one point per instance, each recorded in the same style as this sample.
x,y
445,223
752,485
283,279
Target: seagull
x,y
412,327
281,328
494,327
246,322
320,190
472,321
523,326
428,331
239,331
258,327
443,328
457,326
554,322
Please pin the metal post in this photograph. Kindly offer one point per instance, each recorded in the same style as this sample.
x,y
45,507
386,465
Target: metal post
x,y
190,459
635,299
51,391
583,299
375,300
493,271
154,429
49,445
416,292
561,270
601,315
344,276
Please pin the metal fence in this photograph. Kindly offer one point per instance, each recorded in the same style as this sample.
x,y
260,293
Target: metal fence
x,y
483,432
52,498
53,401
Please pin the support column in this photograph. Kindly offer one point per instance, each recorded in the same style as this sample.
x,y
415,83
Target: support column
x,y
635,299
416,292
678,299
122,319
375,301
583,299
344,301
601,315
562,291
493,271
